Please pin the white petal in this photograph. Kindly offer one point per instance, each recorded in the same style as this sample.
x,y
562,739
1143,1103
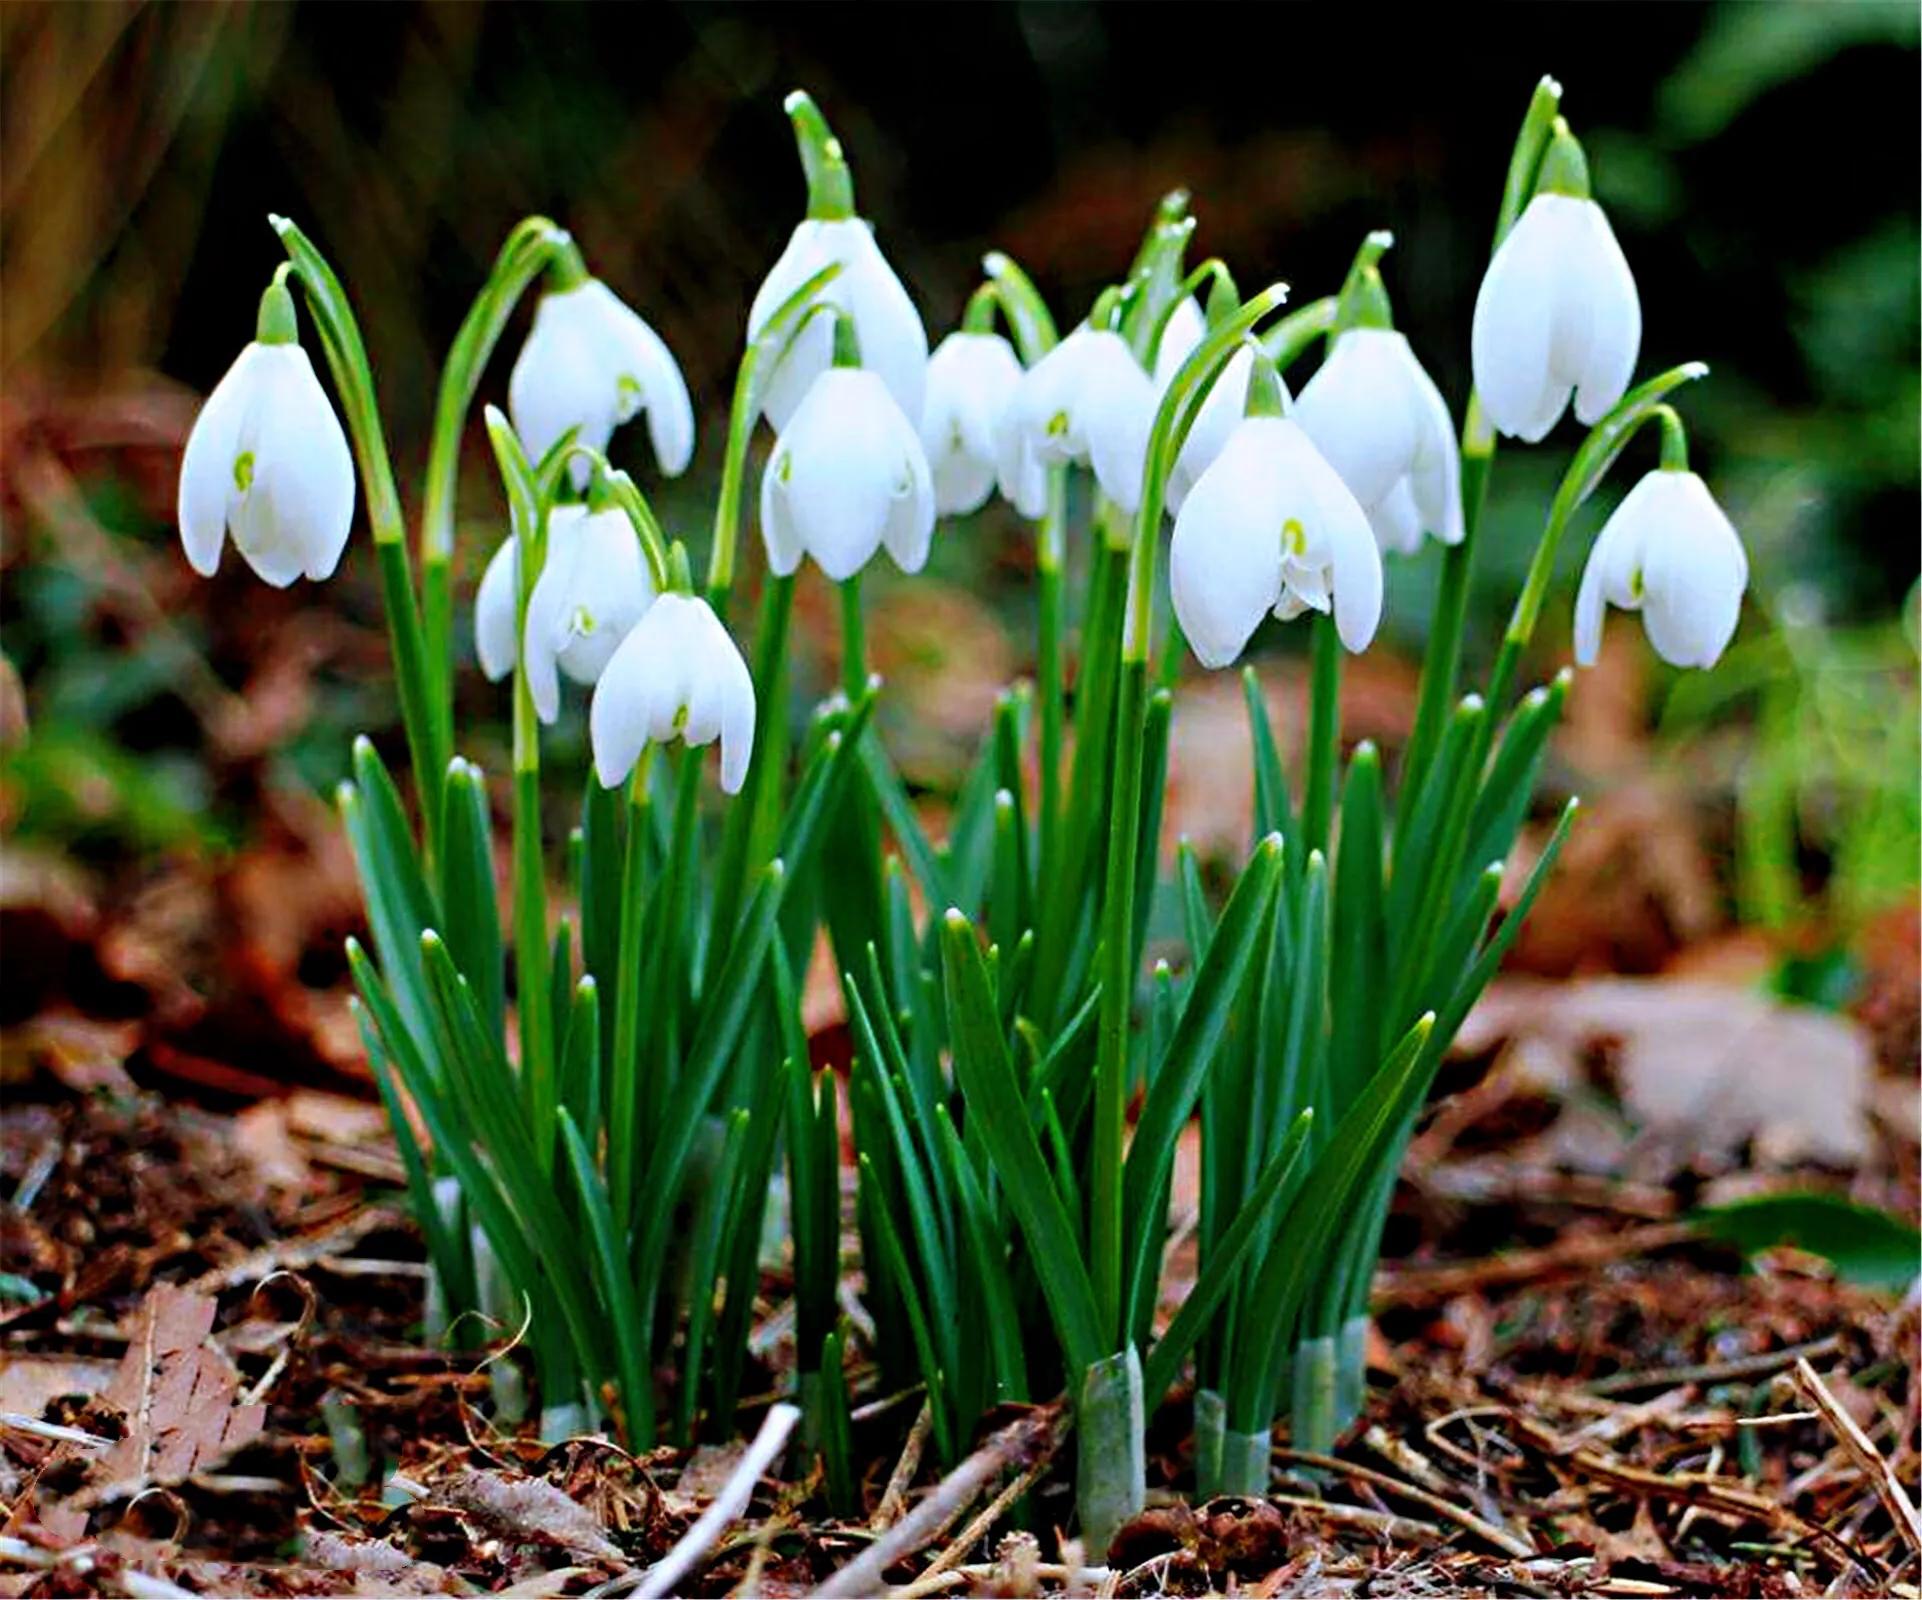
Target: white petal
x,y
207,483
726,690
894,343
1185,328
648,377
842,462
313,466
611,587
494,605
1614,311
1436,472
1341,565
972,378
1359,412
562,378
909,529
1396,521
1224,561
1220,415
1693,575
1515,315
1116,404
546,631
778,531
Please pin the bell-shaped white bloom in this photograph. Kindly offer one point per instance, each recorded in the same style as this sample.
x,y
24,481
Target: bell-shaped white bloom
x,y
972,378
848,475
1271,526
591,363
1557,312
1087,400
593,587
677,675
1670,553
893,342
1220,415
268,463
1379,421
495,602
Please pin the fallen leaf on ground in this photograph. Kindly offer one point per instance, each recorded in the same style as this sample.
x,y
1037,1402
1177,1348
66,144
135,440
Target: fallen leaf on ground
x,y
1701,1067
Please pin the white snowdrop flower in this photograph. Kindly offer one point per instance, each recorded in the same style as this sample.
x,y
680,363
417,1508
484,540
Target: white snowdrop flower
x,y
972,378
1557,312
677,675
1379,421
267,462
1271,526
893,342
594,586
1221,413
1087,400
591,363
847,476
1669,552
495,602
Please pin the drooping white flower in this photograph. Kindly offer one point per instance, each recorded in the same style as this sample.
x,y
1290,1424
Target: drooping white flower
x,y
267,462
677,675
495,602
1669,552
1557,312
594,586
1087,400
591,363
847,476
972,378
1271,526
1379,421
893,342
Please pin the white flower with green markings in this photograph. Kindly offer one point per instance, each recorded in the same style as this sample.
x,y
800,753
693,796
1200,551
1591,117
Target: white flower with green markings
x,y
1086,401
677,675
972,379
847,477
591,363
267,462
1558,313
1669,552
1270,526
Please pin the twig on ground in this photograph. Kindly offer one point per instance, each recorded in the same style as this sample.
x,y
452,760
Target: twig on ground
x,y
1716,1371
1035,1436
1501,1538
1862,1452
1388,1524
1426,1285
979,1525
894,1497
661,1578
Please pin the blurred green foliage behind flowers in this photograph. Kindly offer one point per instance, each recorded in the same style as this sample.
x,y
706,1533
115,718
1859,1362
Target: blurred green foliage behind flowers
x,y
1759,160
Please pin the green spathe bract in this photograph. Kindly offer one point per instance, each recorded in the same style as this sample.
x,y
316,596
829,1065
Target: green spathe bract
x,y
613,1105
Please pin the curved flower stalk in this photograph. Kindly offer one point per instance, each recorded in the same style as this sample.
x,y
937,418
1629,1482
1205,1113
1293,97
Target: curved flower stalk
x,y
894,344
1671,553
590,364
593,587
1271,527
972,380
848,476
1378,419
677,675
267,462
1558,312
1087,401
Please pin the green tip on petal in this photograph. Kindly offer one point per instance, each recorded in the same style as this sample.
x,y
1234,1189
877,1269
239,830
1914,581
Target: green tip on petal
x,y
830,183
1564,165
275,324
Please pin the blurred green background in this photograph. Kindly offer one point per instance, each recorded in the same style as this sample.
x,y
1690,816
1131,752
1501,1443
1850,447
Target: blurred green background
x,y
1759,161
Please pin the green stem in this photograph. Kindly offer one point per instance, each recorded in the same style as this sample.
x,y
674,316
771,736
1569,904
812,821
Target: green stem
x,y
622,1111
854,644
522,258
727,504
346,355
1324,737
1050,545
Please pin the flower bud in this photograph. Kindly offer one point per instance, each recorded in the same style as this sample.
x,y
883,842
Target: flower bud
x,y
677,675
972,379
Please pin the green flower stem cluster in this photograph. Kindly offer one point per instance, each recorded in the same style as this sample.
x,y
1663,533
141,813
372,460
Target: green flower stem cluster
x,y
616,1172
